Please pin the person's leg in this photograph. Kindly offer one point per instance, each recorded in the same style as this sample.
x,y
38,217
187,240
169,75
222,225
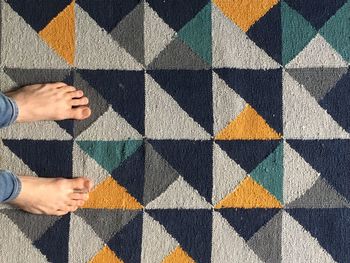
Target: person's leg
x,y
8,111
10,186
54,101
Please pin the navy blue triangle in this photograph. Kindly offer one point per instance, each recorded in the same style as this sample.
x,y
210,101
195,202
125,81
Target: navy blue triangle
x,y
46,158
192,159
337,102
247,221
108,13
192,89
38,13
177,13
317,12
267,33
127,242
191,228
131,173
331,227
329,157
124,90
248,153
262,89
54,242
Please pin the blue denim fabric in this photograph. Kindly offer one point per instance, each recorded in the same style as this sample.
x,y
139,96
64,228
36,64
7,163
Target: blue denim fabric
x,y
8,111
10,185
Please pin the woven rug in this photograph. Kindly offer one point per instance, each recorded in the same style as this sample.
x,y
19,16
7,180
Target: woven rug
x,y
219,133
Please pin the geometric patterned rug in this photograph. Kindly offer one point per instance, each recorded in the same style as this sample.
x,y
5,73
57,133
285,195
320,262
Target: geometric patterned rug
x,y
219,132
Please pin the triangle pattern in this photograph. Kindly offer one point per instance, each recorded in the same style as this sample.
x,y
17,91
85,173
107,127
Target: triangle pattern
x,y
105,255
157,243
129,32
318,81
271,234
248,221
318,53
178,255
227,174
197,33
249,194
296,32
303,116
228,245
88,41
82,251
158,174
59,34
36,55
298,175
110,195
196,225
165,119
228,38
106,223
179,195
320,195
157,34
294,238
177,55
110,154
336,31
249,125
109,127
269,173
227,104
10,232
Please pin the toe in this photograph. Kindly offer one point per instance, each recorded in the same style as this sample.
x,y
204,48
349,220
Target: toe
x,y
80,102
76,94
67,89
79,196
60,212
81,184
80,113
58,84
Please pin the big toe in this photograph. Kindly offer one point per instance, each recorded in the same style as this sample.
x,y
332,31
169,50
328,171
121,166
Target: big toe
x,y
80,113
82,184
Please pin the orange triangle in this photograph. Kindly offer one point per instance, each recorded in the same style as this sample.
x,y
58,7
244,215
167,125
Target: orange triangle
x,y
178,256
109,194
59,34
105,255
249,125
249,194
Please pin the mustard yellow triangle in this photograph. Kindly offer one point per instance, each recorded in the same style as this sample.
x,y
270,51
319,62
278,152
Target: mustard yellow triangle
x,y
245,13
178,256
249,125
110,195
105,255
249,194
59,34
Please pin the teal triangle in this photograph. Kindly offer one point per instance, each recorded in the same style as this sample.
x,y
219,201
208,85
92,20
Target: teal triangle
x,y
296,34
269,173
197,34
337,31
110,154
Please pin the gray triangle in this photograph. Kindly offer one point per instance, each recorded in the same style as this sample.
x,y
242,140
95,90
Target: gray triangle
x,y
318,81
34,76
177,55
106,223
98,105
320,195
266,243
158,175
129,33
33,226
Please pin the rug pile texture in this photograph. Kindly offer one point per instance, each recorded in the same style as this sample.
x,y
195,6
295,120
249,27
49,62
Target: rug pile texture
x,y
219,132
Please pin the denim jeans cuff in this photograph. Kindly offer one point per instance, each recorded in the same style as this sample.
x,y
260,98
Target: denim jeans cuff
x,y
16,188
15,110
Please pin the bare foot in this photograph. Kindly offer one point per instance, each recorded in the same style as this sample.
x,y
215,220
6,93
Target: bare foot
x,y
52,101
52,196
